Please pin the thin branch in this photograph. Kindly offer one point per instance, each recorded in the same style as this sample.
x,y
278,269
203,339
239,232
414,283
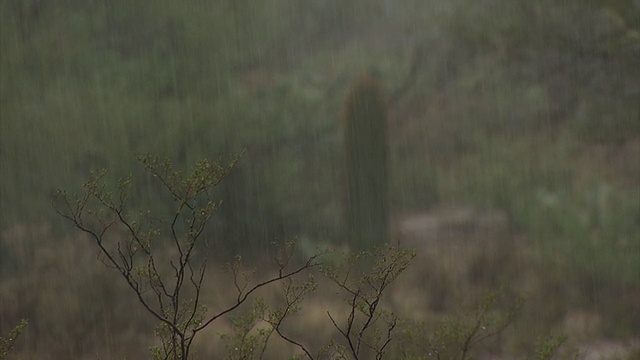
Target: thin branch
x,y
390,329
241,299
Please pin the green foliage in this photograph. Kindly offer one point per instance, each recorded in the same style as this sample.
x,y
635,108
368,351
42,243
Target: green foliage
x,y
129,243
541,95
581,219
366,139
170,290
547,347
363,278
578,60
247,340
368,329
252,330
278,184
600,240
459,337
7,343
111,90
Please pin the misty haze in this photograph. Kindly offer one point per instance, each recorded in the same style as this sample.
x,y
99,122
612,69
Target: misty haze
x,y
338,179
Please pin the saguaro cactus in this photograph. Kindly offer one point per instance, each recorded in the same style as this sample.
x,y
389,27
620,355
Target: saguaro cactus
x,y
365,125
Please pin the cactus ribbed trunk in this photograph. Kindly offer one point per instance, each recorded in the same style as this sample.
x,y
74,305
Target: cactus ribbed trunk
x,y
365,122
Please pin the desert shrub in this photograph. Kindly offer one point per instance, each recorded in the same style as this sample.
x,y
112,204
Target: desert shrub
x,y
128,241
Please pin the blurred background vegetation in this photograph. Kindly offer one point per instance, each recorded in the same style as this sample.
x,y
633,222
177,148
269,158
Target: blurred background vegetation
x,y
529,109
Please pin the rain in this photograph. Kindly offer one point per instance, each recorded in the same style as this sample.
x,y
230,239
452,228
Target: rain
x,y
354,179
